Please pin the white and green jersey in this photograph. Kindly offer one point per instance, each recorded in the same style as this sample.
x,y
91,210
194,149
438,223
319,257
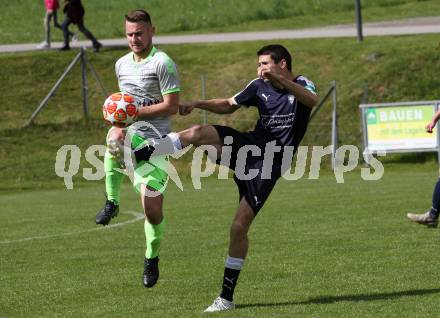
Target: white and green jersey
x,y
149,80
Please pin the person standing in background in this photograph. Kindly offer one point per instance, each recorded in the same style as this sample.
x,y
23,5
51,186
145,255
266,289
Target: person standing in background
x,y
51,12
74,13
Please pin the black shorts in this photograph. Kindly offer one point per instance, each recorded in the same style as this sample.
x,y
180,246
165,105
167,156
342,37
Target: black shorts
x,y
254,186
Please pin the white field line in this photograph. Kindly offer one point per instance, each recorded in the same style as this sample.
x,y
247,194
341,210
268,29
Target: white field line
x,y
138,216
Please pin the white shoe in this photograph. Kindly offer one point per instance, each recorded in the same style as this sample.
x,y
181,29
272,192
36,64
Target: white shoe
x,y
75,38
43,45
425,219
220,304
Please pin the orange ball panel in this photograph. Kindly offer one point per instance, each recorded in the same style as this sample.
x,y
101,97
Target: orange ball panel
x,y
111,107
131,110
116,97
120,115
128,98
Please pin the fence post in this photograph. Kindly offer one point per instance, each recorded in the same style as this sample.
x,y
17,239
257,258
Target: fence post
x,y
95,75
334,124
357,4
205,114
53,90
438,139
84,84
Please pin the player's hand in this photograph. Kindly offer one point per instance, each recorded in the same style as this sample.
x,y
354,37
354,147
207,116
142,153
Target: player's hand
x,y
186,108
270,76
430,127
117,133
115,141
264,75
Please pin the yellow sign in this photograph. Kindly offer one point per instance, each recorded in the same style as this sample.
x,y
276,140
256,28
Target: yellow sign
x,y
399,127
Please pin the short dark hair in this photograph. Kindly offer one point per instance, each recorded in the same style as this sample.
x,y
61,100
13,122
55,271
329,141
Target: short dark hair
x,y
138,16
277,52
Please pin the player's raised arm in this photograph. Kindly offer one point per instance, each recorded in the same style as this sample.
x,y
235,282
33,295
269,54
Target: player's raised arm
x,y
218,106
304,95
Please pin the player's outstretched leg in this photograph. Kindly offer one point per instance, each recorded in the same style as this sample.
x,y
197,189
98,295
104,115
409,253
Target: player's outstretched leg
x,y
166,145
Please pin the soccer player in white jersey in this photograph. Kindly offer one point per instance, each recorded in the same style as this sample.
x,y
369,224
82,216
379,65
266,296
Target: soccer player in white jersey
x,y
150,75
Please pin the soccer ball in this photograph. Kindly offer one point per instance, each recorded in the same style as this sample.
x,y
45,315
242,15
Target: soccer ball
x,y
121,109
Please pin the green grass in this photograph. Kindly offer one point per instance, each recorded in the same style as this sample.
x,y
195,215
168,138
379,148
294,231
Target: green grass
x,y
318,249
22,20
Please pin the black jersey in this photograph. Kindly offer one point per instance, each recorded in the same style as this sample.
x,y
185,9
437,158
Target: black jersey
x,y
282,117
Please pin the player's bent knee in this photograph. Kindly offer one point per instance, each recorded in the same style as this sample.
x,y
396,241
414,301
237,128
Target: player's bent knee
x,y
194,134
153,218
153,215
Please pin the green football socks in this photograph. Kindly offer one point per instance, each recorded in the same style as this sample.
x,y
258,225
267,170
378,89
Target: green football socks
x,y
113,178
153,235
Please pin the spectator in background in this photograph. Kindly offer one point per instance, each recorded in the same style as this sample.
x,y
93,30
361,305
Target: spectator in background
x,y
51,12
74,11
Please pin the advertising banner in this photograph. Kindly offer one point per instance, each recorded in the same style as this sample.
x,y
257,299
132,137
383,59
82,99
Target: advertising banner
x,y
398,127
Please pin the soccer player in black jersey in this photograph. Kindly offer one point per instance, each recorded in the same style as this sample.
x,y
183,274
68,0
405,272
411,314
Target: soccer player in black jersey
x,y
284,101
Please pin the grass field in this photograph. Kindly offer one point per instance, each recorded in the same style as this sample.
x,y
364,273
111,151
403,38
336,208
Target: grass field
x,y
22,21
318,249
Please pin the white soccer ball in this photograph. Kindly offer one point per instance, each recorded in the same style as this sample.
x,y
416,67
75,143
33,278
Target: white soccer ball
x,y
121,109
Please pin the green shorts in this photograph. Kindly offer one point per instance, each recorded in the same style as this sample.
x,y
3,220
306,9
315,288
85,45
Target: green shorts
x,y
152,173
